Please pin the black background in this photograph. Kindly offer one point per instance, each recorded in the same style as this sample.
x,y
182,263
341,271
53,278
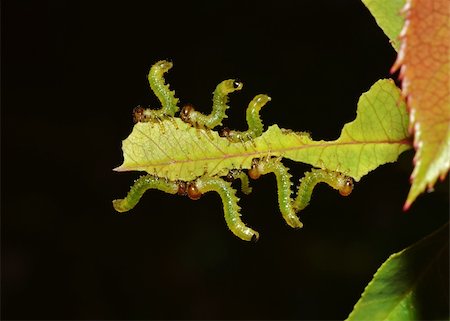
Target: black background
x,y
72,71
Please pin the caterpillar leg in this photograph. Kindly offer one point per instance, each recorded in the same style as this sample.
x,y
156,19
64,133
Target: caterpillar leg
x,y
255,125
336,180
206,184
141,185
163,93
242,176
220,100
273,165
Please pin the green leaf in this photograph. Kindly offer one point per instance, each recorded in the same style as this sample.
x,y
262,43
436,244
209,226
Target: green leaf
x,y
175,150
411,285
388,16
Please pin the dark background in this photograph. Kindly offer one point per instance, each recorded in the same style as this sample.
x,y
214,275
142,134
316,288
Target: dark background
x,y
72,71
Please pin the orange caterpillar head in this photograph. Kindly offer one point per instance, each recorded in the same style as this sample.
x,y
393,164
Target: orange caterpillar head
x,y
345,185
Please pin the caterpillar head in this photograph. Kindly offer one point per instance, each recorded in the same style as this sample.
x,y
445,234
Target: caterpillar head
x,y
193,192
345,185
138,114
230,85
182,188
254,172
186,112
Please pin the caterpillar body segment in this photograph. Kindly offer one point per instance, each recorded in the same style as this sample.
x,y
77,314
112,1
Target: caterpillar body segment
x,y
254,122
162,91
220,100
231,209
140,186
273,165
339,181
242,176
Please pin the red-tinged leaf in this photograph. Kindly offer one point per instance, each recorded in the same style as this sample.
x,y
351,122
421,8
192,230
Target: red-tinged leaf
x,y
425,70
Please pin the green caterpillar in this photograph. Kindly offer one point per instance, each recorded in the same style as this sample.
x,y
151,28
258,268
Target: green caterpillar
x,y
174,170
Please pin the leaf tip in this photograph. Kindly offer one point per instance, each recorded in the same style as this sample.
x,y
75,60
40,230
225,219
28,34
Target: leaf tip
x,y
406,206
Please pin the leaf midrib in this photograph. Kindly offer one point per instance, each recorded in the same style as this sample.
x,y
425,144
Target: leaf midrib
x,y
277,151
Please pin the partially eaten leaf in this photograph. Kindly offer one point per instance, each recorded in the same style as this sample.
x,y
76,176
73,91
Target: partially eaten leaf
x,y
175,150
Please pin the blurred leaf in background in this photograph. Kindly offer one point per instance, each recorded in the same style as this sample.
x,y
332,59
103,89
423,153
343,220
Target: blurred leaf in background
x,y
407,279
